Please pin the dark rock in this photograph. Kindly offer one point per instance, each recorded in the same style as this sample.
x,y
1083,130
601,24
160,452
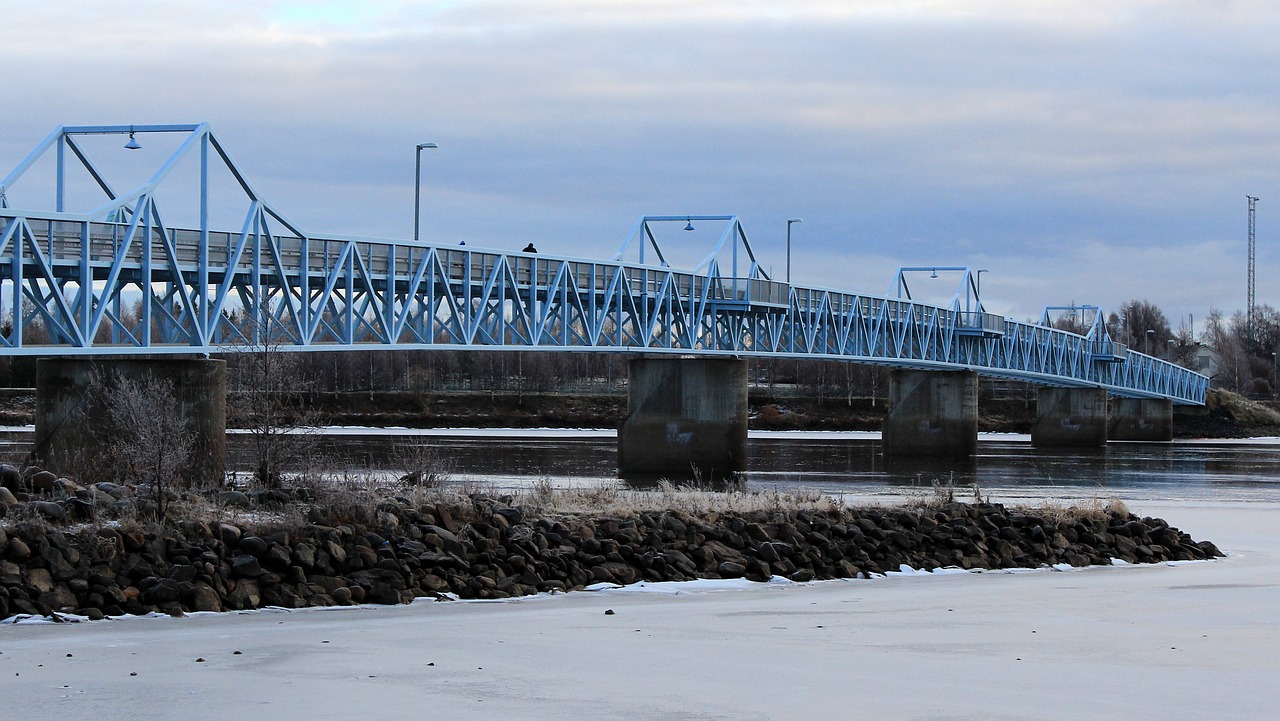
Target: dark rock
x,y
42,481
730,569
228,534
40,580
245,595
10,477
253,546
277,557
246,566
165,590
513,516
17,550
113,490
182,573
1210,550
304,554
48,509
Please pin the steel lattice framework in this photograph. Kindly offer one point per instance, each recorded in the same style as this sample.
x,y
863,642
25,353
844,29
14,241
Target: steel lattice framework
x,y
116,280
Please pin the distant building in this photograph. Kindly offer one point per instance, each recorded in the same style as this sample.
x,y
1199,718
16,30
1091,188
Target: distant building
x,y
1205,361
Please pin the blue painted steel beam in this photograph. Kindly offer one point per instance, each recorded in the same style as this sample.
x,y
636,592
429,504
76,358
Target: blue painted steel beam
x,y
117,281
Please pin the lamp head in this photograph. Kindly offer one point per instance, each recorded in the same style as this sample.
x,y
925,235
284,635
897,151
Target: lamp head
x,y
688,224
133,142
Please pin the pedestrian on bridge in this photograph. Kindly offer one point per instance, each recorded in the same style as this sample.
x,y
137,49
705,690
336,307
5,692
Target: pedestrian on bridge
x,y
530,249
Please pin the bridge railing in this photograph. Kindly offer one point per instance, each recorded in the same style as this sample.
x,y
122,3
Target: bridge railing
x,y
388,293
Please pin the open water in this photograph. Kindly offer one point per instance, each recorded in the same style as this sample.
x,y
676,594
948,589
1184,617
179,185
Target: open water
x,y
1006,466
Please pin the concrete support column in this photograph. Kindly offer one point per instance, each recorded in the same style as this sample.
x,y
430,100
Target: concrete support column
x,y
685,414
932,413
1073,417
72,427
1141,419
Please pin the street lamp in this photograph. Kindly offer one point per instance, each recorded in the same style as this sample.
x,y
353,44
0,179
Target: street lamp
x,y
417,187
1146,342
1273,376
977,290
789,222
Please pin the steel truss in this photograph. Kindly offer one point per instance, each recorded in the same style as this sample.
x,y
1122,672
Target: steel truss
x,y
117,280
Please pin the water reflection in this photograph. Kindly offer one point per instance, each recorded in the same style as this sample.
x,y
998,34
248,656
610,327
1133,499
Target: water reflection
x,y
844,463
833,462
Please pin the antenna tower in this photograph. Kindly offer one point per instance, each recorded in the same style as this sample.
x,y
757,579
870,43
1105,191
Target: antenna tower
x,y
1251,312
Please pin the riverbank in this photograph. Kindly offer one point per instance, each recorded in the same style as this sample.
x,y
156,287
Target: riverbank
x,y
1188,642
295,550
1225,415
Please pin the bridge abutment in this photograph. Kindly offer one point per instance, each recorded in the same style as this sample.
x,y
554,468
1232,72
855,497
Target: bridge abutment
x,y
684,417
74,428
1070,417
932,413
1141,419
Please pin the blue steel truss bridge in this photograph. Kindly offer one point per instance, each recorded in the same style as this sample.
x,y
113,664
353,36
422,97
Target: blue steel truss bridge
x,y
114,278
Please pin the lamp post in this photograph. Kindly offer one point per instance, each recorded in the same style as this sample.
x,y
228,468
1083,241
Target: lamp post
x,y
977,290
417,186
1146,342
1273,376
789,222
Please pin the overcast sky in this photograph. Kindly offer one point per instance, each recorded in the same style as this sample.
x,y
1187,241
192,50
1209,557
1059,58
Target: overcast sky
x,y
1086,152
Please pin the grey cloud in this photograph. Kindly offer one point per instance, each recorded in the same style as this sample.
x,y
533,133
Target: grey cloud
x,y
1095,152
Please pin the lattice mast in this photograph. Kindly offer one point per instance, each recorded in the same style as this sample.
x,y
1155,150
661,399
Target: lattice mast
x,y
1250,309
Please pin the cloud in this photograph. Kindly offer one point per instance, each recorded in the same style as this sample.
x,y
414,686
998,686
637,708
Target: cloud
x,y
1086,151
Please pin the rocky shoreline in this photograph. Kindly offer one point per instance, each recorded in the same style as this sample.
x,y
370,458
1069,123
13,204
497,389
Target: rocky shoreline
x,y
486,547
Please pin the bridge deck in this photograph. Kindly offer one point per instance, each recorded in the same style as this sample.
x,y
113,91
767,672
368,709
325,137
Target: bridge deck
x,y
117,281
254,287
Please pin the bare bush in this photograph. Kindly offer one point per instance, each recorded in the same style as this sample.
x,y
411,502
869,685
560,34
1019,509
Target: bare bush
x,y
423,466
146,437
270,406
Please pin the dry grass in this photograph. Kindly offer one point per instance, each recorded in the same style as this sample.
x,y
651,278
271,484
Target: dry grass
x,y
1057,512
1243,410
612,499
940,493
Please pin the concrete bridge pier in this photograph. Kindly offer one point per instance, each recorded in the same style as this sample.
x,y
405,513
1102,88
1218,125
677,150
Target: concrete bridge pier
x,y
73,429
932,413
1141,419
1070,417
685,418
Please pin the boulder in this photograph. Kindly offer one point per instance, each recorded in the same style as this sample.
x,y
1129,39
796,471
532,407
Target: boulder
x,y
42,481
228,534
10,477
245,595
114,490
48,509
253,546
40,580
730,569
246,566
17,550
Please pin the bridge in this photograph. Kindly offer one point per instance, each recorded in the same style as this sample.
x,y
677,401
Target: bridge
x,y
113,278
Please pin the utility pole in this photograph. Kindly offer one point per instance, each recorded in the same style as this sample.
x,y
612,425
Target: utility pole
x,y
1252,313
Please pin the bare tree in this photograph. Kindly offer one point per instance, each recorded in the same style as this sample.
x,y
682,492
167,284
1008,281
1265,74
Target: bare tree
x,y
1140,316
146,437
270,403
